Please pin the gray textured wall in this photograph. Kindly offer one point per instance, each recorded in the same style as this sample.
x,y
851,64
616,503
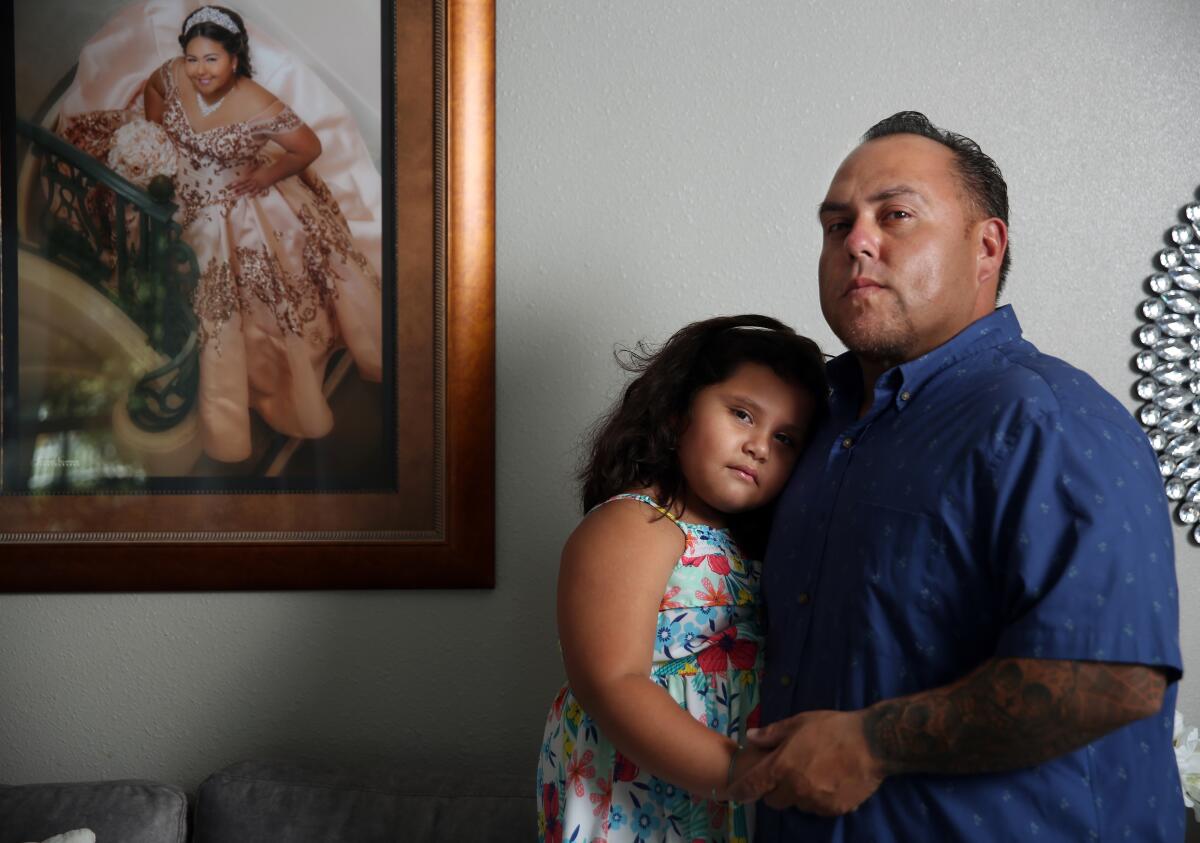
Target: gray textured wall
x,y
657,162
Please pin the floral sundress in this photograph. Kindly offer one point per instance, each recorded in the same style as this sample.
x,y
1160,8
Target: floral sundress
x,y
708,657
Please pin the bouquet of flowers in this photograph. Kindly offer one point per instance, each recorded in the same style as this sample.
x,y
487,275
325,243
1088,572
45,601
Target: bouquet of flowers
x,y
1187,756
140,151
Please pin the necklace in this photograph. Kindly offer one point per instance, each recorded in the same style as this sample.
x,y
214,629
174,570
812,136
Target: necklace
x,y
205,108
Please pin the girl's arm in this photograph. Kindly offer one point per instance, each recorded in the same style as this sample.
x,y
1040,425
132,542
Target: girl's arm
x,y
614,572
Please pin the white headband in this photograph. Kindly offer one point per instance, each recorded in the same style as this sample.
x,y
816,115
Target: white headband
x,y
207,14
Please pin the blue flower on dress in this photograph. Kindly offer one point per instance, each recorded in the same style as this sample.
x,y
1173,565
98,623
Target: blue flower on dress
x,y
712,535
693,633
645,820
658,790
588,727
616,818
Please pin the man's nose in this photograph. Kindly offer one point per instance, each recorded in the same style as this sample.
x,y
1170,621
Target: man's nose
x,y
863,238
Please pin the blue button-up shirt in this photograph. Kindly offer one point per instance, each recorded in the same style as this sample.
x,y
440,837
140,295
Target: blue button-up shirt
x,y
993,502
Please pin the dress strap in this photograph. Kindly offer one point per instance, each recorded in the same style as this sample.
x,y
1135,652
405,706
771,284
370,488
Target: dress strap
x,y
633,496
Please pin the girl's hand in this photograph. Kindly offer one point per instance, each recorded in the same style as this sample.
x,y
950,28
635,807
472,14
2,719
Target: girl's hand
x,y
747,759
253,183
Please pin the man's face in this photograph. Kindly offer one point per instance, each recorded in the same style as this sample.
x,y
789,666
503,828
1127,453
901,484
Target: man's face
x,y
900,270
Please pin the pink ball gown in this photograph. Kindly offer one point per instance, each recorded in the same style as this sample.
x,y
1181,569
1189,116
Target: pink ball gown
x,y
286,278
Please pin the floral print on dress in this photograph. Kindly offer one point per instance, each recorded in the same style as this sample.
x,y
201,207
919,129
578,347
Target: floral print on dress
x,y
708,657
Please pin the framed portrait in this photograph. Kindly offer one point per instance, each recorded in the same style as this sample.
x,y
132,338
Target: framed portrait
x,y
248,295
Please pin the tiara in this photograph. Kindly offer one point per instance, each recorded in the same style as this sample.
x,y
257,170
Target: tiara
x,y
207,14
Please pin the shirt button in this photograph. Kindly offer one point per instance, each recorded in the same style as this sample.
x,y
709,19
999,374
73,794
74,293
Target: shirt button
x,y
847,442
802,598
904,396
785,681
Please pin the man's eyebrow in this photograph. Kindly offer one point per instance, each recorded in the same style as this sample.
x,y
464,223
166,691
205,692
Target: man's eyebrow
x,y
828,207
893,192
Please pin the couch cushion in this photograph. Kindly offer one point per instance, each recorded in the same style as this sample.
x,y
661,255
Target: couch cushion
x,y
313,802
125,811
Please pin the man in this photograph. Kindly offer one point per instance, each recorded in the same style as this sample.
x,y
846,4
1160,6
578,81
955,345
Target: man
x,y
970,586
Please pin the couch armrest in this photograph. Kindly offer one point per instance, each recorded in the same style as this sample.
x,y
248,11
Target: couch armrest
x,y
125,811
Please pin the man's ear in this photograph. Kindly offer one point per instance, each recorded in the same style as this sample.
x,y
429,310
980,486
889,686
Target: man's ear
x,y
993,243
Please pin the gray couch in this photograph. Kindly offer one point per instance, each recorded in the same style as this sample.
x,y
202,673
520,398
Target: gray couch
x,y
286,802
280,802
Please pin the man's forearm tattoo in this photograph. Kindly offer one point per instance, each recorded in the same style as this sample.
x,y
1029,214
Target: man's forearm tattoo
x,y
1008,714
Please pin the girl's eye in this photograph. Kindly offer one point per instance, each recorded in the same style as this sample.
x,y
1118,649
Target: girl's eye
x,y
740,414
785,439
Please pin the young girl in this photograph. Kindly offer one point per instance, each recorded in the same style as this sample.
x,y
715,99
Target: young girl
x,y
658,611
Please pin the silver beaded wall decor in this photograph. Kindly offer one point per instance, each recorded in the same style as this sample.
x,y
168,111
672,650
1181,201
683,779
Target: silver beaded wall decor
x,y
1169,366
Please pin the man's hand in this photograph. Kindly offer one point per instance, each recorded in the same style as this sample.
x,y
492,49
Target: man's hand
x,y
1005,715
819,762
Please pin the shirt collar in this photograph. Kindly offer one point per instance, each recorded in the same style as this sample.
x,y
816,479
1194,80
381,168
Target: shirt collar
x,y
998,327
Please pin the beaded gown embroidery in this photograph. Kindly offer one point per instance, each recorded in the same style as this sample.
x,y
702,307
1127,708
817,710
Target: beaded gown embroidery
x,y
708,658
282,284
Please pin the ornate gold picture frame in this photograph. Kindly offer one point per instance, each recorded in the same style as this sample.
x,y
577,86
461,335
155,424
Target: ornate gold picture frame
x,y
426,518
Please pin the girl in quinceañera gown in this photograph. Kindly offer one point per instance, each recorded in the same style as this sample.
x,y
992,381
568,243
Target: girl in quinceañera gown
x,y
283,283
658,613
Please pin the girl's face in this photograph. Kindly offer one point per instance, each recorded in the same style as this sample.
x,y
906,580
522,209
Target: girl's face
x,y
209,66
741,441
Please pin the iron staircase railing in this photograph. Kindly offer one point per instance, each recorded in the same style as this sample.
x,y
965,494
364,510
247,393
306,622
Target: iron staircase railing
x,y
135,256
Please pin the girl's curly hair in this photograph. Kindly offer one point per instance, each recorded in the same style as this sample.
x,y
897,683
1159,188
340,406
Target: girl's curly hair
x,y
633,445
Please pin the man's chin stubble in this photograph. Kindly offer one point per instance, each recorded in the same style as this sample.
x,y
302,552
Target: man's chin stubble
x,y
886,347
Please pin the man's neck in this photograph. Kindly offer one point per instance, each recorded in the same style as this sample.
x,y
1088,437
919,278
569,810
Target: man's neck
x,y
873,367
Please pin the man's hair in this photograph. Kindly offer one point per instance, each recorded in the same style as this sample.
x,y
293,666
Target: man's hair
x,y
981,179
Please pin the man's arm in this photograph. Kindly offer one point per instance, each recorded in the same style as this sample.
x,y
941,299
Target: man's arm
x,y
1007,714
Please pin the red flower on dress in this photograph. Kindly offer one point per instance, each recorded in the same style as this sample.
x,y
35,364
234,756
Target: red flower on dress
x,y
557,708
753,717
726,648
578,769
602,798
624,770
554,829
711,596
668,602
718,812
717,563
